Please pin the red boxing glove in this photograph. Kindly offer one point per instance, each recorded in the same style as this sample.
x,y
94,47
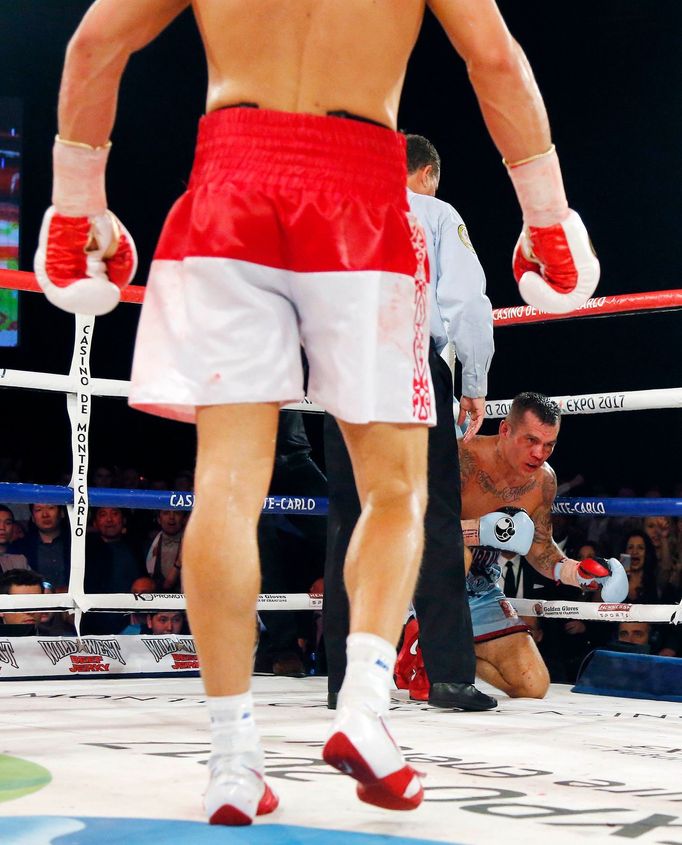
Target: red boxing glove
x,y
85,255
554,263
590,570
555,266
593,573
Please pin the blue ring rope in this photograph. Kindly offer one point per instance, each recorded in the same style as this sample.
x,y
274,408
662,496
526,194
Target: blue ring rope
x,y
51,494
162,500
597,506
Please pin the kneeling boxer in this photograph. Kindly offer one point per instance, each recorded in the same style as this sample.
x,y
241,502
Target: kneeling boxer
x,y
510,467
509,470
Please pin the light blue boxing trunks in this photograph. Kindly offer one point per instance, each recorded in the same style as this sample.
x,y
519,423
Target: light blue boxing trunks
x,y
492,616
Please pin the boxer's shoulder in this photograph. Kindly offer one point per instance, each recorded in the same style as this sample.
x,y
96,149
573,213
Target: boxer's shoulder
x,y
478,446
473,455
547,483
477,454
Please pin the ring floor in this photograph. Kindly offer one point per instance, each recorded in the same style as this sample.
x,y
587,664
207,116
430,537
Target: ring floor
x,y
123,761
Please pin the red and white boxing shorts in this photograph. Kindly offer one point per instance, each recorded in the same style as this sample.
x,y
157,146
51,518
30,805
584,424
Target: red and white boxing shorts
x,y
295,229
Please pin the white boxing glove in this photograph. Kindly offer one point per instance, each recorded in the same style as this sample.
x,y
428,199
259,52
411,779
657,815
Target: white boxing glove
x,y
85,256
554,262
508,529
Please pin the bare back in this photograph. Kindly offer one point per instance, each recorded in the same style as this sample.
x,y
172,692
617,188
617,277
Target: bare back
x,y
314,56
311,56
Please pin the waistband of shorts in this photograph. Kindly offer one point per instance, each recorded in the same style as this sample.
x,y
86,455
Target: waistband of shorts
x,y
484,556
278,149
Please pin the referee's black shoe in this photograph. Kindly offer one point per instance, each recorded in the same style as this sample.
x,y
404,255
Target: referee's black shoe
x,y
460,697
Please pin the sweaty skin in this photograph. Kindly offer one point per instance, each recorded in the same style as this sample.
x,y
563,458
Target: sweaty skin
x,y
487,484
311,56
510,469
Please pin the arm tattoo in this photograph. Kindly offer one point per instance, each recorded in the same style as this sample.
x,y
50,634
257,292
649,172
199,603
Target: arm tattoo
x,y
544,552
471,532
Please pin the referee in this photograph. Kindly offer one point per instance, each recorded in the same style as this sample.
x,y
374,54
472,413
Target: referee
x,y
461,314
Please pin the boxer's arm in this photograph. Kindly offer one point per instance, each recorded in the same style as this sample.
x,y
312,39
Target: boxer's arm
x,y
550,561
554,262
503,81
470,532
544,553
96,57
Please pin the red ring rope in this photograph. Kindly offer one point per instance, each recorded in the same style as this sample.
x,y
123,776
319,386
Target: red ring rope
x,y
513,315
623,303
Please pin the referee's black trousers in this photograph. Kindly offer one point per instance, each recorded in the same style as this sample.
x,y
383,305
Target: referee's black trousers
x,y
446,636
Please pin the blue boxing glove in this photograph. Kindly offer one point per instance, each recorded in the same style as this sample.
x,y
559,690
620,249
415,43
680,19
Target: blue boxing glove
x,y
593,573
507,529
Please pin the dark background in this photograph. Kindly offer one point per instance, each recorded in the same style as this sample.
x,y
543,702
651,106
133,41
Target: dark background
x,y
611,75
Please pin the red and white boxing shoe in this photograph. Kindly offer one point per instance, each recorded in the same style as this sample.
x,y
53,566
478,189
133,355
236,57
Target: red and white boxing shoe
x,y
360,745
237,792
410,673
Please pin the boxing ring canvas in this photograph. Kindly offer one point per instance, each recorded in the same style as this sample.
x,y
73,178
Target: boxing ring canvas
x,y
123,761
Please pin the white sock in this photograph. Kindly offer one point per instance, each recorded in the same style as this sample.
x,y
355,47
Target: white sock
x,y
369,673
232,724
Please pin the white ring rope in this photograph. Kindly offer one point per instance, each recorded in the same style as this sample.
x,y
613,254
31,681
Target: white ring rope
x,y
600,611
149,602
143,602
114,388
602,403
586,403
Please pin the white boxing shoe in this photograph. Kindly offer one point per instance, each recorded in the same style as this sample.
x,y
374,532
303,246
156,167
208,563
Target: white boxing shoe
x,y
237,792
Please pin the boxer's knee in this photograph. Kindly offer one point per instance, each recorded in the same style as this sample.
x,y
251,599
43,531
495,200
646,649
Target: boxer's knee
x,y
407,495
530,682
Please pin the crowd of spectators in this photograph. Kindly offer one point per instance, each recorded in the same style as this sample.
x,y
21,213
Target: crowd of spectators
x,y
141,551
138,550
651,550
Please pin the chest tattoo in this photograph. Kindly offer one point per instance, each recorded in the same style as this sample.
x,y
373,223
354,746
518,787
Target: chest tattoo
x,y
504,494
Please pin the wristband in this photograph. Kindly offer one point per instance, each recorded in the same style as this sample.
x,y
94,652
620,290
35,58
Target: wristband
x,y
78,188
558,567
540,189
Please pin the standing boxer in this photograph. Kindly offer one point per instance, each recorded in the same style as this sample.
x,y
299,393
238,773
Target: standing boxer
x,y
295,222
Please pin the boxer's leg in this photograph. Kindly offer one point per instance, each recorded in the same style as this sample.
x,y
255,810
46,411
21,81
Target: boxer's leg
x,y
221,574
389,462
513,664
221,579
382,563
